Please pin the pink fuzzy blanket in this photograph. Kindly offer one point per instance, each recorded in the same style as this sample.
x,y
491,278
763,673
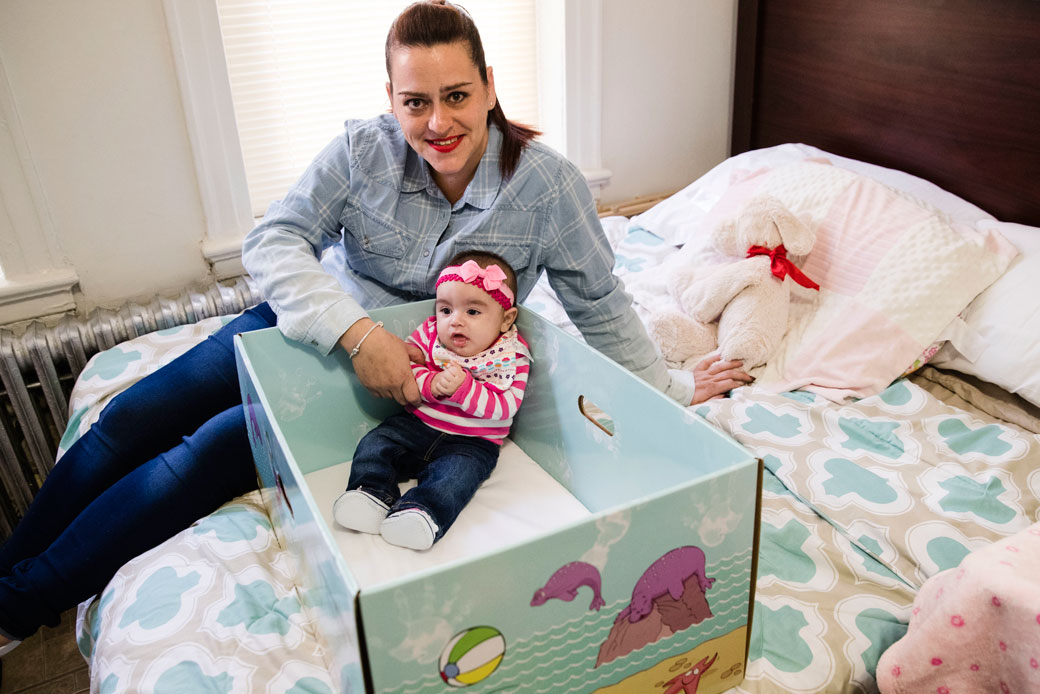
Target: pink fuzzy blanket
x,y
975,628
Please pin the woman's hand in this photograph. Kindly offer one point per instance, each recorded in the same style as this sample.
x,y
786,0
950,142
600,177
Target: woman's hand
x,y
415,355
714,378
382,363
445,383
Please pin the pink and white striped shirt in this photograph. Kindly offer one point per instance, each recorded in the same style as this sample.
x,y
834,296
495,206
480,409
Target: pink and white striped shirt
x,y
477,408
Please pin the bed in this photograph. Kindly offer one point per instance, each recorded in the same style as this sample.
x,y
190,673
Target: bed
x,y
870,489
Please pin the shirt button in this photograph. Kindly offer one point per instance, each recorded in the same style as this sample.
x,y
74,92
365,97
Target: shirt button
x,y
366,242
426,254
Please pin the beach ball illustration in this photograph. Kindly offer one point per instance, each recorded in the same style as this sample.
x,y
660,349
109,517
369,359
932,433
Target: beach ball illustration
x,y
472,655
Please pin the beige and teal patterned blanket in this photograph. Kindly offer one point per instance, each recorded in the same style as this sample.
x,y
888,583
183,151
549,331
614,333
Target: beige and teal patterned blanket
x,y
862,502
213,609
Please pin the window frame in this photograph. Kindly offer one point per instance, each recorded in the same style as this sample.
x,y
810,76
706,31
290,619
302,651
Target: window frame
x,y
198,54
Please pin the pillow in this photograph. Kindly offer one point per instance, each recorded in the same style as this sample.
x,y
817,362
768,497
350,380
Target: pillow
x,y
679,218
894,271
1007,319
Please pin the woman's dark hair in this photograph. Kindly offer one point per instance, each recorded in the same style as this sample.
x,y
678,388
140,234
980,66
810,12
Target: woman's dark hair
x,y
485,258
431,23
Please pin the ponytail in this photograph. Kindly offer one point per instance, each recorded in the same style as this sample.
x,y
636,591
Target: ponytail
x,y
515,137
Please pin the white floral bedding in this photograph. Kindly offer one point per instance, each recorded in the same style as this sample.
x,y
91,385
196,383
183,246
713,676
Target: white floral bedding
x,y
861,503
213,609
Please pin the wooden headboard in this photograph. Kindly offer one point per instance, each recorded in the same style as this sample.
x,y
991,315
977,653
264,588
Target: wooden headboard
x,y
948,90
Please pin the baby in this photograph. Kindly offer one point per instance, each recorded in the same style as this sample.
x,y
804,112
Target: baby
x,y
472,384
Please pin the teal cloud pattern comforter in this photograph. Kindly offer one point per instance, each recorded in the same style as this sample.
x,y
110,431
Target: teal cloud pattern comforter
x,y
862,502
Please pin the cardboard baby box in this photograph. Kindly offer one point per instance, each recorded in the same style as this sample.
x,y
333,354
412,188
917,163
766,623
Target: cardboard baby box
x,y
649,590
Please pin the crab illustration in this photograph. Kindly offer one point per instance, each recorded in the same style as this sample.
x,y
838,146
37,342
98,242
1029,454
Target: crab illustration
x,y
687,682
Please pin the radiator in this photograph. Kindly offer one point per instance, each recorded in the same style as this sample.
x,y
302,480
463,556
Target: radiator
x,y
39,366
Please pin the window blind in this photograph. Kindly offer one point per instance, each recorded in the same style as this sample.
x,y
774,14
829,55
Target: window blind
x,y
299,68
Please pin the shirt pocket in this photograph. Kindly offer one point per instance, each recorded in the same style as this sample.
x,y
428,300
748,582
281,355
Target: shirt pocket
x,y
518,255
511,234
511,239
374,246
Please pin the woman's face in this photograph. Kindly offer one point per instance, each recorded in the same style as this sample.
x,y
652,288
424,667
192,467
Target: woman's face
x,y
442,105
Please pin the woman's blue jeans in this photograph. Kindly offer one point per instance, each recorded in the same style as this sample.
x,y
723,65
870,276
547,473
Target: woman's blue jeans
x,y
449,468
168,450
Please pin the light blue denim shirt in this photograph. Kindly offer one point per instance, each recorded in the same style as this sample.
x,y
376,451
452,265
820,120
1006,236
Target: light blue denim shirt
x,y
369,208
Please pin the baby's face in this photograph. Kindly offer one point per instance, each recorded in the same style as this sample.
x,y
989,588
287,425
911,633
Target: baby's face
x,y
468,319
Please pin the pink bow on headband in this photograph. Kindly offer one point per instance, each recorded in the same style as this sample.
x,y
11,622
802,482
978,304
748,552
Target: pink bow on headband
x,y
493,276
491,279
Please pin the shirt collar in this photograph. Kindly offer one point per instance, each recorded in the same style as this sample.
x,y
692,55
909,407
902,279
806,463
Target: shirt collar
x,y
487,179
481,191
416,173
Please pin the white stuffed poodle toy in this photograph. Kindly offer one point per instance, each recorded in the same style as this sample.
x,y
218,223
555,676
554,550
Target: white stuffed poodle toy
x,y
741,307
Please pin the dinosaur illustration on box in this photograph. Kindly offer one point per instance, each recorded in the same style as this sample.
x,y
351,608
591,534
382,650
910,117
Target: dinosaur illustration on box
x,y
564,584
668,597
666,575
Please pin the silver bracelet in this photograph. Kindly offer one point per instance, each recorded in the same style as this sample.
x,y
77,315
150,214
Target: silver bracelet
x,y
357,347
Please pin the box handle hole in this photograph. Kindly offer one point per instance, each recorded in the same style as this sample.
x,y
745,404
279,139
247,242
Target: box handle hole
x,y
596,415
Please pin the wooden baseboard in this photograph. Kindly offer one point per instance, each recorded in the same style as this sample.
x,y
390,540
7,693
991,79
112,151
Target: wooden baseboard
x,y
634,206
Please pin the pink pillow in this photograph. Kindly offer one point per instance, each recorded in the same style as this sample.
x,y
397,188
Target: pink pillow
x,y
893,272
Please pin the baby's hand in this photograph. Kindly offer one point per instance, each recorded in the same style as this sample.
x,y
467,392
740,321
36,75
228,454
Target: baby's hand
x,y
446,382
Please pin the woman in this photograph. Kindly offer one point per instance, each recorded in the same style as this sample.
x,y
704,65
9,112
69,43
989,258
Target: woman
x,y
388,202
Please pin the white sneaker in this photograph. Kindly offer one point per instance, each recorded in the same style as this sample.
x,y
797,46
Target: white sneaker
x,y
8,647
411,528
359,510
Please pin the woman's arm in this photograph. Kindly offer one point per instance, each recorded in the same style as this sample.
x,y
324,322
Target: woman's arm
x,y
581,272
282,253
383,364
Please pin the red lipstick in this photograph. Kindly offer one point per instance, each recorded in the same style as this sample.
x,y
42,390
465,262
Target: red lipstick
x,y
444,145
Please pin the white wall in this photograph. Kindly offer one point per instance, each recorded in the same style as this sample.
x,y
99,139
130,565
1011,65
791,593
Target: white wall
x,y
96,91
667,92
95,88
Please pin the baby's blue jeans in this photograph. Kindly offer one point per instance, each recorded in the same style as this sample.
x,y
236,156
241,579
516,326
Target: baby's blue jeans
x,y
448,467
168,450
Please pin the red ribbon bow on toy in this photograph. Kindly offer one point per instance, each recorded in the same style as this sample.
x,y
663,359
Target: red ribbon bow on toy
x,y
781,266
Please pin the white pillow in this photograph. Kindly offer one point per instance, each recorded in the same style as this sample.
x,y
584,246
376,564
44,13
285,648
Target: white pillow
x,y
893,272
1007,318
1003,328
679,218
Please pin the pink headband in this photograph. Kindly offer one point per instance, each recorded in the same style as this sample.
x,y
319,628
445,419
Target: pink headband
x,y
491,279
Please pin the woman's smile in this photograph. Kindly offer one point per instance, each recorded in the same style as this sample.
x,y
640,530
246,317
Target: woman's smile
x,y
446,144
